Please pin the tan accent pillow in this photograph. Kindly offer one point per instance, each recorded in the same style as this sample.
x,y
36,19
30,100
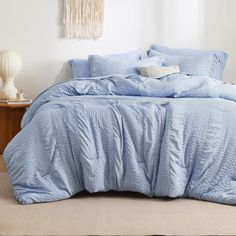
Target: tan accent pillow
x,y
158,71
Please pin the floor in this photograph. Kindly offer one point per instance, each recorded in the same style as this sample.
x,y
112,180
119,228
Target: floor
x,y
113,214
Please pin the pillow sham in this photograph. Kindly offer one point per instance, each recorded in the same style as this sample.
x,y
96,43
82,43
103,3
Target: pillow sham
x,y
158,71
80,67
185,51
103,66
195,64
217,64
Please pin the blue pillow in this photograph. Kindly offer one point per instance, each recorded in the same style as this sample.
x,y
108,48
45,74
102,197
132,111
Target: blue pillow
x,y
103,66
185,51
80,67
216,66
196,65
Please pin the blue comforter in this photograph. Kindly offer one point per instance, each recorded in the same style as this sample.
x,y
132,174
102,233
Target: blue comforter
x,y
172,137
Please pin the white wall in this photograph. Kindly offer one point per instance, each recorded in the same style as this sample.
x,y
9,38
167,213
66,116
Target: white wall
x,y
32,27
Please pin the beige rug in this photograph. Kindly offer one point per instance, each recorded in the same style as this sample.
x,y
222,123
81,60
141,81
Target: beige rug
x,y
114,214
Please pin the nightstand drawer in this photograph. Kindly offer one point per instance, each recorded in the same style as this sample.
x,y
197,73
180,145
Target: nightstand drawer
x,y
10,119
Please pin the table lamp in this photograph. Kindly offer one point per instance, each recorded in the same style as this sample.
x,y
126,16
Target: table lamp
x,y
10,66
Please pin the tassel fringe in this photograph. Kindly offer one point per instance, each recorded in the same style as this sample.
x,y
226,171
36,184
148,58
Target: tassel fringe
x,y
83,18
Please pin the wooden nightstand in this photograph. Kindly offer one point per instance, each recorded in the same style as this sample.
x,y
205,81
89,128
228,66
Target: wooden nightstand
x,y
10,119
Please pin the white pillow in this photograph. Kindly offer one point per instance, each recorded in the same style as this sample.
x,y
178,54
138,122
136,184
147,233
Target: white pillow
x,y
158,71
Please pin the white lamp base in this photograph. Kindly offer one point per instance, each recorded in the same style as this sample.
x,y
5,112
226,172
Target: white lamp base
x,y
8,90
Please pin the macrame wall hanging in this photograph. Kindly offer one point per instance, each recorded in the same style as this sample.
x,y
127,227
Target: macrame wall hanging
x,y
83,18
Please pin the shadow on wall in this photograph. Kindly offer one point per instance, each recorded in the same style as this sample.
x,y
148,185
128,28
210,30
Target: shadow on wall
x,y
60,18
182,23
64,74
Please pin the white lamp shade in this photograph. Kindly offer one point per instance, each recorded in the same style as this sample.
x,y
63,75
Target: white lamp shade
x,y
10,66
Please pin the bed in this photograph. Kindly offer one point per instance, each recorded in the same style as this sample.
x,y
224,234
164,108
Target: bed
x,y
170,137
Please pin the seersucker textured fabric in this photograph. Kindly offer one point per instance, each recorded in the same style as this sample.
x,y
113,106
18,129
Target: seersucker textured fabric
x,y
170,137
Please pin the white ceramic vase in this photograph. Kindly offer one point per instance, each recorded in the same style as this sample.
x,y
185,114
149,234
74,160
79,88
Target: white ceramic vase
x,y
10,66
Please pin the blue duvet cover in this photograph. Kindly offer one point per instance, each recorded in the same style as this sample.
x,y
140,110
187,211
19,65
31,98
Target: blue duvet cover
x,y
172,137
